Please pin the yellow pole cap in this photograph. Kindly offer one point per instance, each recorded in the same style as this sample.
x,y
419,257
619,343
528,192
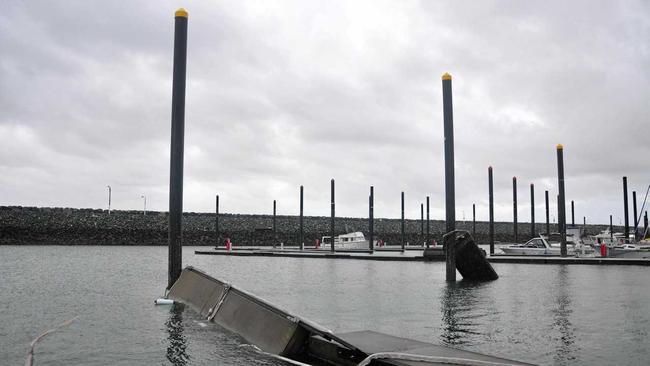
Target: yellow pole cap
x,y
181,13
446,76
560,147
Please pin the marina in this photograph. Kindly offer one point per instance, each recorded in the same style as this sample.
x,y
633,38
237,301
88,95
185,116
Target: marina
x,y
269,121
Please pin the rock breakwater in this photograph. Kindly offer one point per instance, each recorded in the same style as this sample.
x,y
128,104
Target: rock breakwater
x,y
70,226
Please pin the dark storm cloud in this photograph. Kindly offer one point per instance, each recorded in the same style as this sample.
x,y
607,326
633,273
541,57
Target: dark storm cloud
x,y
287,93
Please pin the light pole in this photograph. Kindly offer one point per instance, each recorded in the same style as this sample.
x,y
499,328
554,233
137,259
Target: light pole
x,y
109,199
144,210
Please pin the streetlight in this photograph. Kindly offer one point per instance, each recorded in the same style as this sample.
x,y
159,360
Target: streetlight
x,y
109,199
144,211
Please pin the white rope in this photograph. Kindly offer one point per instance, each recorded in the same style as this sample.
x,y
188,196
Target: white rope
x,y
285,359
30,355
423,358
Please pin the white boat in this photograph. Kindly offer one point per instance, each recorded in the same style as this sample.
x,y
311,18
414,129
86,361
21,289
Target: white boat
x,y
355,240
574,242
614,240
629,251
607,238
535,246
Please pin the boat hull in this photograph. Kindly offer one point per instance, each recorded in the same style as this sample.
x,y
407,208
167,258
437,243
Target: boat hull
x,y
553,252
623,253
359,244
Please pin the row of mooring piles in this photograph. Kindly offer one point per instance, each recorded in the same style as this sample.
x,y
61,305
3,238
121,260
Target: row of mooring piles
x,y
638,214
426,237
301,232
562,221
560,205
176,178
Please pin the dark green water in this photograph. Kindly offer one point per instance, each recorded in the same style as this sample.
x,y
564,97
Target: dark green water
x,y
545,314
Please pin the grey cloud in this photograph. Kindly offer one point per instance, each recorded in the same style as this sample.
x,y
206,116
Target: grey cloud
x,y
283,94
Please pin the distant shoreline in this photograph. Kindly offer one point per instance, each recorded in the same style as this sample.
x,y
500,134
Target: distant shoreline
x,y
71,226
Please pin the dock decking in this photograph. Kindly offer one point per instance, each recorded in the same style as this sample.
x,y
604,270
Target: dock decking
x,y
413,254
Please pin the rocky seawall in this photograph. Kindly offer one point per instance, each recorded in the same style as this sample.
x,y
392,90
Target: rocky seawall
x,y
69,226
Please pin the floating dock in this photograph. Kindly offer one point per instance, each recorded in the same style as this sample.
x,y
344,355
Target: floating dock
x,y
280,334
497,258
384,254
412,254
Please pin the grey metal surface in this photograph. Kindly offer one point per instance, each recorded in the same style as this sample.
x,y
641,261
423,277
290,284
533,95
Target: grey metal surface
x,y
374,342
197,290
259,322
267,329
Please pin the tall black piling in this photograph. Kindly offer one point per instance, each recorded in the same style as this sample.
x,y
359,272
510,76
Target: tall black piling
x,y
177,148
514,207
532,210
428,237
559,214
548,221
302,232
645,224
625,209
275,232
371,218
422,240
403,232
611,228
573,217
473,219
584,220
491,210
216,223
562,205
636,218
450,194
332,214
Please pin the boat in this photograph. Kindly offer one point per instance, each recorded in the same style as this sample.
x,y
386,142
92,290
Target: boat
x,y
535,246
606,237
574,242
629,251
354,240
614,240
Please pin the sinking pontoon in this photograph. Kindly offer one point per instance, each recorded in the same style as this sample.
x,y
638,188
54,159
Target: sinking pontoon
x,y
279,333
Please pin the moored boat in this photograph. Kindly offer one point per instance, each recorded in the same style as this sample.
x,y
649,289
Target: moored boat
x,y
535,246
355,240
629,251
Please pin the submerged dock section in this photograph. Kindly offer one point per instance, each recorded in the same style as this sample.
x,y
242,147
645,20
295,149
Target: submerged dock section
x,y
278,333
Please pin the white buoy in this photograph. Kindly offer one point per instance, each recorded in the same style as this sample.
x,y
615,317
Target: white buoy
x,y
164,302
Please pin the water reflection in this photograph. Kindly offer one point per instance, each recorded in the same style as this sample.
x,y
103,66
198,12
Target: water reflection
x,y
177,347
459,312
566,343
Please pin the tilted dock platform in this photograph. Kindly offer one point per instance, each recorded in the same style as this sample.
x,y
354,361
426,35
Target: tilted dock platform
x,y
277,332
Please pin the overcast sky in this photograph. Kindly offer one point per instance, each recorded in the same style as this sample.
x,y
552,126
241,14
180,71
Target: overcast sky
x,y
285,93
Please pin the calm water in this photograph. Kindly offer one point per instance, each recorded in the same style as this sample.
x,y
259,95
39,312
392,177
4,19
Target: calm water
x,y
546,314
